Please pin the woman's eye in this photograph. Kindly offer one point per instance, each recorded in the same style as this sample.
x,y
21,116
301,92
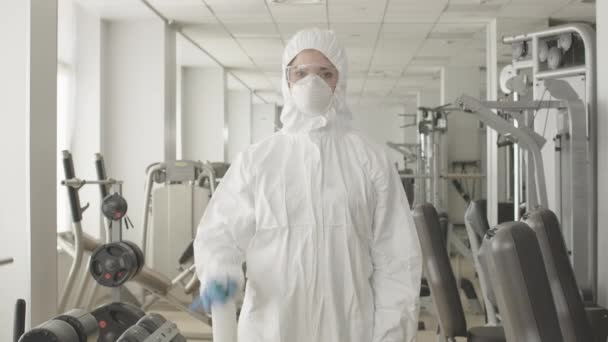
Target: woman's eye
x,y
300,73
328,75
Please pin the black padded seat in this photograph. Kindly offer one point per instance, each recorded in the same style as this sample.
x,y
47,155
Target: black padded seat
x,y
486,334
441,280
512,255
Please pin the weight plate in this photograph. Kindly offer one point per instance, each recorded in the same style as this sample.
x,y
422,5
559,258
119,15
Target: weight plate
x,y
519,50
114,319
565,41
554,59
113,264
543,51
141,261
114,207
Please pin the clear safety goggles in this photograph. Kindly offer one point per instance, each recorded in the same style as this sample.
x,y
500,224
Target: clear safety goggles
x,y
297,72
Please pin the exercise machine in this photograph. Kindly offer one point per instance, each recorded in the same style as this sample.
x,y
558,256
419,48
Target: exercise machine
x,y
114,262
173,209
442,282
559,62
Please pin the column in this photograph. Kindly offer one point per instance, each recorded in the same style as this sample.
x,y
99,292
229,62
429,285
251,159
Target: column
x,y
28,142
86,132
137,123
204,128
461,143
491,168
602,150
239,122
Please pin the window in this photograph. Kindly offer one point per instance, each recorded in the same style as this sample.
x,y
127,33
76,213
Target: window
x,y
65,123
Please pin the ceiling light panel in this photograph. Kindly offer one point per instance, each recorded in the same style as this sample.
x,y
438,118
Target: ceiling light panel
x,y
289,29
367,12
393,52
441,48
406,31
414,11
263,30
353,33
206,31
265,49
184,11
239,11
299,14
433,61
577,11
118,9
226,51
295,2
530,9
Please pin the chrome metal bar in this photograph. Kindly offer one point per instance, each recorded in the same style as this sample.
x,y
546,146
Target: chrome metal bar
x,y
561,73
6,261
462,176
524,105
183,275
78,183
148,194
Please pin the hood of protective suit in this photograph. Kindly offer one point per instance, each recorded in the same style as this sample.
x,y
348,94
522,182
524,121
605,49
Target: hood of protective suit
x,y
338,114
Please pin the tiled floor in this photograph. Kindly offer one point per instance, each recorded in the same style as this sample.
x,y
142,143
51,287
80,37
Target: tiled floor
x,y
201,332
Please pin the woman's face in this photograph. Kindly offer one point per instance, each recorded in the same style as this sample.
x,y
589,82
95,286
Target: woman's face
x,y
312,61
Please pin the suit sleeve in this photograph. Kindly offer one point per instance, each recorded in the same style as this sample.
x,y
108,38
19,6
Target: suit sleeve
x,y
396,258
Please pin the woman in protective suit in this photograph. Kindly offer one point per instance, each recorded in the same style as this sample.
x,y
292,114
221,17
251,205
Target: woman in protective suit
x,y
318,214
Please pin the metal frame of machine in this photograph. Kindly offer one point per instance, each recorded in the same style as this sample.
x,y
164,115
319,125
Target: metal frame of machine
x,y
576,139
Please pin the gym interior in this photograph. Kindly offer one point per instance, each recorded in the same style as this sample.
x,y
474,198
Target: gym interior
x,y
120,118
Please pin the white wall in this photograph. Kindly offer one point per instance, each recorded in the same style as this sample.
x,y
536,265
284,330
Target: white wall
x,y
381,123
86,135
463,135
27,143
239,122
262,121
203,118
602,152
133,119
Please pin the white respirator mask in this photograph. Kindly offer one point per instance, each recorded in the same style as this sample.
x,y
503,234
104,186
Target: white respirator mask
x,y
312,95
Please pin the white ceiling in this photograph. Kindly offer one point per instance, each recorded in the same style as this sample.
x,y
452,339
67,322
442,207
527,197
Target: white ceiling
x,y
395,47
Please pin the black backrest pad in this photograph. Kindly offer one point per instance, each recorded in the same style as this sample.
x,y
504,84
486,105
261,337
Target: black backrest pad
x,y
568,301
439,273
525,299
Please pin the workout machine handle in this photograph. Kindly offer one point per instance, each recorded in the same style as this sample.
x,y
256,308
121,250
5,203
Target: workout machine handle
x,y
19,324
68,169
100,167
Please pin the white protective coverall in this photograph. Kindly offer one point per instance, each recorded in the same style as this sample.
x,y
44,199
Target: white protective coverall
x,y
320,217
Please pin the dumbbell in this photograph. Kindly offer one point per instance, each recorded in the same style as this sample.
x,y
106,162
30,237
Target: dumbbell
x,y
152,327
73,326
115,318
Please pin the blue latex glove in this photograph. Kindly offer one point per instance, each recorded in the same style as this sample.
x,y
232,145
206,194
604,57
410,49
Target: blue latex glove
x,y
216,292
